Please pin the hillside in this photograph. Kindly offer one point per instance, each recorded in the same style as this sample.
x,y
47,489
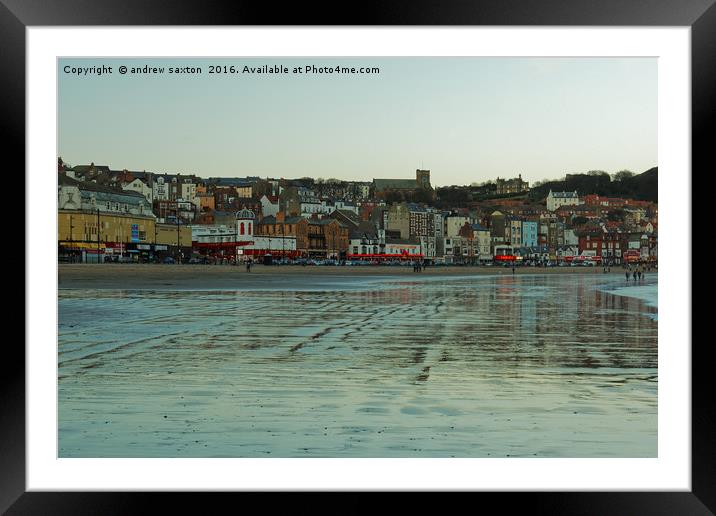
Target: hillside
x,y
642,186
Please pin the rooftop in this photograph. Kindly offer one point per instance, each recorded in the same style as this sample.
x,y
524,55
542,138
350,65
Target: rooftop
x,y
564,194
395,184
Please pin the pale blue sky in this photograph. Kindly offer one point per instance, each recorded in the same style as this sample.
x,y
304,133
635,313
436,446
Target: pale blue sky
x,y
466,119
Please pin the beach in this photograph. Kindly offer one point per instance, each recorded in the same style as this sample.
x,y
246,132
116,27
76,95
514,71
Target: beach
x,y
211,361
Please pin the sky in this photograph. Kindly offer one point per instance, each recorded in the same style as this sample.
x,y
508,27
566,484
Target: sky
x,y
467,120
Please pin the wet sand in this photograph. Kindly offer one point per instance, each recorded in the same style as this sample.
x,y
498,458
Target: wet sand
x,y
193,277
313,364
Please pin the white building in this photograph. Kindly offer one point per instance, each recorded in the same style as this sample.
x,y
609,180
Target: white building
x,y
312,206
570,237
274,245
269,206
160,189
484,242
80,195
141,187
212,233
454,223
429,249
557,199
187,192
367,244
342,205
449,243
403,248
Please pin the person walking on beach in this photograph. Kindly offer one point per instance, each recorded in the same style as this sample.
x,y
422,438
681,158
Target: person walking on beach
x,y
638,272
248,266
513,268
634,275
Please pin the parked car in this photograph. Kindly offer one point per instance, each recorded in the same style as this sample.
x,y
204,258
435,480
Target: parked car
x,y
168,260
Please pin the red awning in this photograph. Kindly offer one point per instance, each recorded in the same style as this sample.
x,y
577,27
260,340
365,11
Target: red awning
x,y
384,255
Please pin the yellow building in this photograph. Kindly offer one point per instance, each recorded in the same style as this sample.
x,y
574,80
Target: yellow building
x,y
244,192
206,201
167,234
81,230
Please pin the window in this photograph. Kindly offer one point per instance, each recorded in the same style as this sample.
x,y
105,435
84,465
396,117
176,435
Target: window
x,y
242,228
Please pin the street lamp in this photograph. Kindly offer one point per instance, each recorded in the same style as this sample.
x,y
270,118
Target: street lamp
x,y
97,235
177,216
72,255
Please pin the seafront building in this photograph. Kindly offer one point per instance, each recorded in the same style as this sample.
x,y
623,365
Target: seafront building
x,y
122,215
91,237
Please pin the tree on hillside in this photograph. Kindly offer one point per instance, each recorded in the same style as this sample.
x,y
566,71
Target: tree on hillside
x,y
623,174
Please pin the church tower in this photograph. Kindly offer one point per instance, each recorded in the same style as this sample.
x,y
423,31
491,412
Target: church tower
x,y
423,178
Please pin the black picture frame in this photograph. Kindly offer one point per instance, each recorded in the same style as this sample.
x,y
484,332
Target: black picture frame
x,y
17,15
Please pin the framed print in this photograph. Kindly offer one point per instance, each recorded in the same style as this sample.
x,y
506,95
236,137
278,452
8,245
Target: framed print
x,y
250,291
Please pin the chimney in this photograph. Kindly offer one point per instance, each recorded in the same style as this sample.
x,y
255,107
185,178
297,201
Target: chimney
x,y
280,216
